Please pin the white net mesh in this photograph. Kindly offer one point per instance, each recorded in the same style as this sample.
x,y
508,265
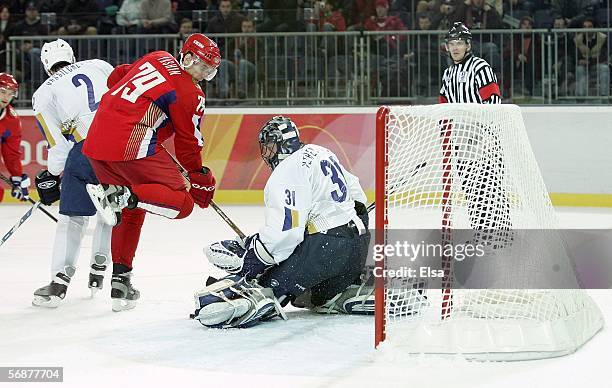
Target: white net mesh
x,y
467,166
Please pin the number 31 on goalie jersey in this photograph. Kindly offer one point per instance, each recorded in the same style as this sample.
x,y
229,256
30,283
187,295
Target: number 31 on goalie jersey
x,y
148,78
332,169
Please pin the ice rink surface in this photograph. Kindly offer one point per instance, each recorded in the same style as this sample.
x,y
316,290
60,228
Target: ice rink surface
x,y
156,345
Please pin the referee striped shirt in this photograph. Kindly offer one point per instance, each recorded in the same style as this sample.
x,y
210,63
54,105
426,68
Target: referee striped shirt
x,y
471,81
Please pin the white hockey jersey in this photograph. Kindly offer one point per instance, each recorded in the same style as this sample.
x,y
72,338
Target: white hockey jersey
x,y
309,190
65,106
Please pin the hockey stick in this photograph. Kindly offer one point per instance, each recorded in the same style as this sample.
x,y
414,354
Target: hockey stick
x,y
23,219
216,207
42,209
396,187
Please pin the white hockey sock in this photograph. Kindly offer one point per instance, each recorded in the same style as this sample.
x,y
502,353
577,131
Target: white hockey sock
x,y
68,236
101,241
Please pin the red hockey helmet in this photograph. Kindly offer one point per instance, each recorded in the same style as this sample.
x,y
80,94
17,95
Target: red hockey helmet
x,y
204,48
7,81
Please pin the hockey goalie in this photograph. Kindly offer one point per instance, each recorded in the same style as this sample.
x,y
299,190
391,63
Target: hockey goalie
x,y
311,250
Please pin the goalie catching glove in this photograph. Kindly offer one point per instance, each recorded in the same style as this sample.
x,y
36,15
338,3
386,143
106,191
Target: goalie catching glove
x,y
233,302
202,186
248,258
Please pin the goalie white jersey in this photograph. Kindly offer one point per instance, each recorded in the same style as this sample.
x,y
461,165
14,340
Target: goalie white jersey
x,y
66,104
309,190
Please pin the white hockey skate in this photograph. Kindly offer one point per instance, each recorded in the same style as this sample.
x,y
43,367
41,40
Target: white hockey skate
x,y
52,295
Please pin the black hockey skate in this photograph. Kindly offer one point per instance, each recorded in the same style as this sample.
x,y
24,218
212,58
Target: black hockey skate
x,y
52,294
96,273
110,200
123,294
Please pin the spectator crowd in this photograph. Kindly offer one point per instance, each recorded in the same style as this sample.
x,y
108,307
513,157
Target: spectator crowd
x,y
518,56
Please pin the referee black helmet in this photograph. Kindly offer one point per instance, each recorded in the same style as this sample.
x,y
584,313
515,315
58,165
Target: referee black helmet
x,y
459,31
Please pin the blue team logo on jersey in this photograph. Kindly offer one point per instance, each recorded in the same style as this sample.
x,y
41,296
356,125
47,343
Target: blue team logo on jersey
x,y
462,76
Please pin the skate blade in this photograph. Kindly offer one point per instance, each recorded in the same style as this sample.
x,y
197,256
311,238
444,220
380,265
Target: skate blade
x,y
123,305
96,193
46,301
221,312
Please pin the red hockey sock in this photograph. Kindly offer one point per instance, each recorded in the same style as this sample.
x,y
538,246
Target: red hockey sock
x,y
162,200
126,236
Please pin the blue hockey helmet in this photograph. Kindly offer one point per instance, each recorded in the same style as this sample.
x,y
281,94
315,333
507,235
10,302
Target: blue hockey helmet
x,y
278,139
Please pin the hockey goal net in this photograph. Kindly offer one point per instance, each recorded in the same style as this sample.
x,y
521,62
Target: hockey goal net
x,y
453,167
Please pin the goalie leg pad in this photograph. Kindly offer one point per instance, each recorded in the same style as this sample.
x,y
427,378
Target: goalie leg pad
x,y
232,302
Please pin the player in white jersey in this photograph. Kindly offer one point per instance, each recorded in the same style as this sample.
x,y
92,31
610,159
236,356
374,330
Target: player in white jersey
x,y
313,244
65,106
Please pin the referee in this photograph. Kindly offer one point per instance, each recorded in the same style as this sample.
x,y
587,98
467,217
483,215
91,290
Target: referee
x,y
469,79
481,169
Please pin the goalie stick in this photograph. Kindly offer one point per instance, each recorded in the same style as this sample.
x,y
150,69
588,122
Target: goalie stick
x,y
42,209
23,219
395,188
216,207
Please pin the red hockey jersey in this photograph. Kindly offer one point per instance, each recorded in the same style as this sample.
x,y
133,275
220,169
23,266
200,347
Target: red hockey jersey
x,y
147,101
10,140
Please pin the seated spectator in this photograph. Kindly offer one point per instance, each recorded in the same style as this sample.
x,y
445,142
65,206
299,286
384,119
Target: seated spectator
x,y
387,51
477,15
6,25
360,11
592,59
446,13
185,28
6,30
31,24
525,56
240,70
564,65
81,16
156,17
31,71
226,21
426,57
129,16
330,19
574,10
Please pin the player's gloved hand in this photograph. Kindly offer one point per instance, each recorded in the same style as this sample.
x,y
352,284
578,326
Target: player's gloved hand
x,y
248,260
202,186
48,187
20,185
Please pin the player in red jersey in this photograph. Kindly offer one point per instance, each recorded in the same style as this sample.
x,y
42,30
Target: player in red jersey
x,y
10,139
147,102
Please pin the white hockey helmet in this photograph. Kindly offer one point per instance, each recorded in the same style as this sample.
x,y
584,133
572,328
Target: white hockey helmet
x,y
55,52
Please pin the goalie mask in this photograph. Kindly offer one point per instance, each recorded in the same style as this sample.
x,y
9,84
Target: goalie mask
x,y
278,139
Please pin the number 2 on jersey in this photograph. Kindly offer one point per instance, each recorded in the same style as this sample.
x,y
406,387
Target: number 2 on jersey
x,y
332,167
148,78
91,97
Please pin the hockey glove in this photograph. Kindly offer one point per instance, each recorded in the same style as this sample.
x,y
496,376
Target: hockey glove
x,y
48,187
249,261
20,185
202,186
